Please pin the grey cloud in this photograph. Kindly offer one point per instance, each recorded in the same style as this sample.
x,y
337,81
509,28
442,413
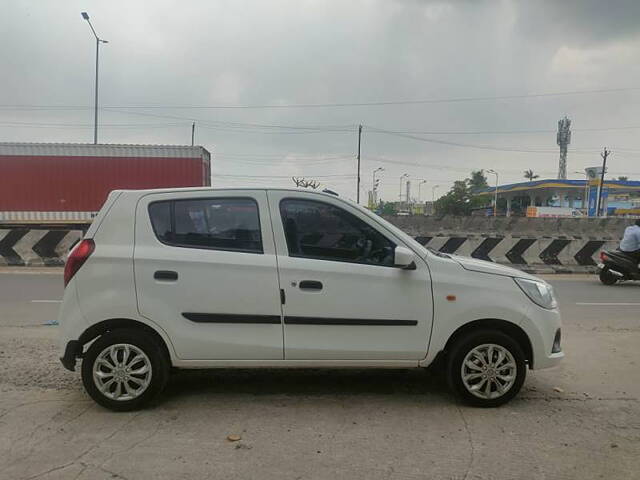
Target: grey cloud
x,y
579,22
229,52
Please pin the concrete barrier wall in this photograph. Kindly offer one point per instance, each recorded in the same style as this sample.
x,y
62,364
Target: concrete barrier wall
x,y
534,244
36,247
596,228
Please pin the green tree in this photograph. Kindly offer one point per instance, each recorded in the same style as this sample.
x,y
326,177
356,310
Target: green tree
x,y
387,208
529,175
623,178
463,198
456,201
477,181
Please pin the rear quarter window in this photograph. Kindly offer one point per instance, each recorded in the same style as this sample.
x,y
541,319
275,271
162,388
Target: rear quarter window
x,y
231,224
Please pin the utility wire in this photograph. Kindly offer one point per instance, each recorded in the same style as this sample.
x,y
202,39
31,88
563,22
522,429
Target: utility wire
x,y
508,132
342,104
455,144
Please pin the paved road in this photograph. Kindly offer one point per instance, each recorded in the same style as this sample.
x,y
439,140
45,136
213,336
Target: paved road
x,y
580,420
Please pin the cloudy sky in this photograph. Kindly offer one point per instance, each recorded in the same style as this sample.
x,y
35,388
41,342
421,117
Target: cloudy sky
x,y
277,88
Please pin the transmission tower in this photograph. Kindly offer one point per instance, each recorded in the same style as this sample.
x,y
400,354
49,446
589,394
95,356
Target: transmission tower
x,y
563,139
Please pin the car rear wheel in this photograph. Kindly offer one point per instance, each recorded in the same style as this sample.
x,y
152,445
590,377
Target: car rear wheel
x,y
124,369
486,368
607,278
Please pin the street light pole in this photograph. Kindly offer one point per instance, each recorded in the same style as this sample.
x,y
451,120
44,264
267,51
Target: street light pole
x,y
585,194
402,177
85,15
433,192
495,201
420,185
374,187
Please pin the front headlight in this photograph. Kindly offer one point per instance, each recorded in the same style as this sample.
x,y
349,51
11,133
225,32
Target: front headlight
x,y
540,293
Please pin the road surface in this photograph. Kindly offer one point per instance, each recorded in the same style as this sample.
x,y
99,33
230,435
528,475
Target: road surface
x,y
579,420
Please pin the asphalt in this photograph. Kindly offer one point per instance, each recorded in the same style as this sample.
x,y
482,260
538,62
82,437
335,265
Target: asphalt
x,y
579,420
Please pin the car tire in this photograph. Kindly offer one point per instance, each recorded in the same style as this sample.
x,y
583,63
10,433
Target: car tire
x,y
125,369
506,370
607,278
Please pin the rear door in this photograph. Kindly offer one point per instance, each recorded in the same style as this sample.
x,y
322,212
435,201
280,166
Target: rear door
x,y
344,299
205,270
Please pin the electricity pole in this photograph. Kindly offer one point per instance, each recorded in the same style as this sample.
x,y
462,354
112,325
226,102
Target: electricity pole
x,y
358,181
193,132
605,153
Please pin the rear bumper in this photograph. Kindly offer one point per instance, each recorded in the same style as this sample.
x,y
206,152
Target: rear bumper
x,y
71,352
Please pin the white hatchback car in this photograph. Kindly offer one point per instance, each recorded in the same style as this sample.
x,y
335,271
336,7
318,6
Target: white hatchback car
x,y
206,278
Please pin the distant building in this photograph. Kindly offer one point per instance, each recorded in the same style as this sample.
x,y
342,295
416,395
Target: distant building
x,y
620,197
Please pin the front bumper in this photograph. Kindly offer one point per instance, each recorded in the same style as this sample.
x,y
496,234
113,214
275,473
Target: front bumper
x,y
541,326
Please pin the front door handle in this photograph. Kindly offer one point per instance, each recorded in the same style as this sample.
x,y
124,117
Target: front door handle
x,y
166,275
310,285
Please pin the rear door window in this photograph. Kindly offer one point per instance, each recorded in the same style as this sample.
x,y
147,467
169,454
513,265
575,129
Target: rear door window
x,y
213,223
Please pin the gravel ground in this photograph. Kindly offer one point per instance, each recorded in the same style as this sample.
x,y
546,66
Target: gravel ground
x,y
580,420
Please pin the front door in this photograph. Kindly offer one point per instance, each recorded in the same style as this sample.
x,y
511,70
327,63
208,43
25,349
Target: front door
x,y
344,299
205,270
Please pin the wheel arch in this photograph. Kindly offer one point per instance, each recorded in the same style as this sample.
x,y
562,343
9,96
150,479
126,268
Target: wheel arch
x,y
98,329
508,328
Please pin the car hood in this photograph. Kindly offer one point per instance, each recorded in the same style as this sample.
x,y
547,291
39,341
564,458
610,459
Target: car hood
x,y
482,266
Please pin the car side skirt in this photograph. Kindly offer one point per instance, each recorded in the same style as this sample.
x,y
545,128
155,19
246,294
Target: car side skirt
x,y
295,363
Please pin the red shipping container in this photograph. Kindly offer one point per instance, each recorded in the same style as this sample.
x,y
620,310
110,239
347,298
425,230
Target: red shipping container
x,y
70,182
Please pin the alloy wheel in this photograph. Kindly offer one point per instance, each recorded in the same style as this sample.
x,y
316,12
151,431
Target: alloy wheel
x,y
489,371
122,372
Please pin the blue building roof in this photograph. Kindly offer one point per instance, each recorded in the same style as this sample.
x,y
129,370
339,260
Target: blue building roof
x,y
618,185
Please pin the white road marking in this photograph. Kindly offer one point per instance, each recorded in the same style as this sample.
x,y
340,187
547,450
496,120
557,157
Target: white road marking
x,y
30,270
46,301
621,304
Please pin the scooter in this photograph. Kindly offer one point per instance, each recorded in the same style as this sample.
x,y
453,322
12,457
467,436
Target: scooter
x,y
617,266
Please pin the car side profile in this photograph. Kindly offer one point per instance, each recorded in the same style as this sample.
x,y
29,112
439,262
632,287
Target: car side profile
x,y
211,278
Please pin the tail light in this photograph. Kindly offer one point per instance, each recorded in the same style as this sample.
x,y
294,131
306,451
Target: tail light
x,y
77,258
603,257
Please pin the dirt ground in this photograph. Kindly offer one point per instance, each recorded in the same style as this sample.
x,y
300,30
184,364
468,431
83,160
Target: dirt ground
x,y
579,420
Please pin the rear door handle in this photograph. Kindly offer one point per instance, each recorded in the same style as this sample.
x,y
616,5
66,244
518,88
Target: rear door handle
x,y
310,285
166,275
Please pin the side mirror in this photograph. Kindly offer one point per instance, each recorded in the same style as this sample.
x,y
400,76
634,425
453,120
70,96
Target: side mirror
x,y
404,258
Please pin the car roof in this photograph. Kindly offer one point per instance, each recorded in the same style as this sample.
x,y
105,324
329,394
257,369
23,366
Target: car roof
x,y
228,189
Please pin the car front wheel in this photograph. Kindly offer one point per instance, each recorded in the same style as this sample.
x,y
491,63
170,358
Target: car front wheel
x,y
124,369
486,368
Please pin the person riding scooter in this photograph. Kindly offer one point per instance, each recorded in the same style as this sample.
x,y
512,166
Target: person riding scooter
x,y
622,264
630,243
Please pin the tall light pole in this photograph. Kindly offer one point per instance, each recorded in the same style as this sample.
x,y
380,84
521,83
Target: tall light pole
x,y
85,15
433,192
419,185
402,177
495,201
585,194
374,187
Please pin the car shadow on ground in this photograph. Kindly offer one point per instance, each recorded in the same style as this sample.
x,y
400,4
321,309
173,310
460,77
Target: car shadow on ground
x,y
306,382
